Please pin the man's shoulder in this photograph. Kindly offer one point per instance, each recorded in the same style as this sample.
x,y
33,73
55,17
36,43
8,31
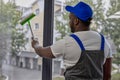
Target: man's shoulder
x,y
88,35
86,32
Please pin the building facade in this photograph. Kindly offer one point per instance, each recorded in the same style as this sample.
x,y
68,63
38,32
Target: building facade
x,y
27,58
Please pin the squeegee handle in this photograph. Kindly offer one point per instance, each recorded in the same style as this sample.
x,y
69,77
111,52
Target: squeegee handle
x,y
30,29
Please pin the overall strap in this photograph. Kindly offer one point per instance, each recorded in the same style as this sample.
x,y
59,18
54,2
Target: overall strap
x,y
102,42
78,41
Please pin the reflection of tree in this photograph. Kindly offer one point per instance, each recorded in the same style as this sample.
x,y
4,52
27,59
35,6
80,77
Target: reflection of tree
x,y
9,17
62,26
102,23
108,26
3,46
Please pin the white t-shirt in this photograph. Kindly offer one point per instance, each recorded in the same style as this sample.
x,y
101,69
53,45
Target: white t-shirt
x,y
69,49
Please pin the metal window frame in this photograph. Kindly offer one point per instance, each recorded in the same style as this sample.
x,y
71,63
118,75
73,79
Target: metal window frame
x,y
48,37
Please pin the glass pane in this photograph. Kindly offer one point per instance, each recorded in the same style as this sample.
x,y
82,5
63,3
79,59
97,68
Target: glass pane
x,y
18,60
106,23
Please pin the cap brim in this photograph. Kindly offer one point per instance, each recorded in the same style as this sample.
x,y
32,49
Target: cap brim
x,y
69,8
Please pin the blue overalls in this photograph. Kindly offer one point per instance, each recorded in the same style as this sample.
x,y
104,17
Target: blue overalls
x,y
89,65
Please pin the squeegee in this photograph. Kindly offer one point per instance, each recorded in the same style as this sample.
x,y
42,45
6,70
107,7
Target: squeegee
x,y
27,20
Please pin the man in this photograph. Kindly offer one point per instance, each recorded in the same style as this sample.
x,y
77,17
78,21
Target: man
x,y
86,54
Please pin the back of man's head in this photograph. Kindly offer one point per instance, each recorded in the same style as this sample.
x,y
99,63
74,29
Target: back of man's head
x,y
82,11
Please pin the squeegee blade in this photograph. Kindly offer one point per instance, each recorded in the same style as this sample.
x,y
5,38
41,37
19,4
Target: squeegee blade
x,y
28,18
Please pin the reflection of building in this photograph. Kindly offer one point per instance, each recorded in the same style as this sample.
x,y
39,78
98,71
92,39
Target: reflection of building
x,y
27,58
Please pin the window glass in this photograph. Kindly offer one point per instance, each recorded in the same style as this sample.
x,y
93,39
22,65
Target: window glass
x,y
100,23
18,60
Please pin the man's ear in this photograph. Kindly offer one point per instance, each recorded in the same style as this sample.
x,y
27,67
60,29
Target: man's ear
x,y
76,21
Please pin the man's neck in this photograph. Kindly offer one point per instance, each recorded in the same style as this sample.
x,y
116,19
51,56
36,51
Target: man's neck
x,y
82,29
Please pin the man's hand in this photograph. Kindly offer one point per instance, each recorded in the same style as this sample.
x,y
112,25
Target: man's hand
x,y
107,69
35,43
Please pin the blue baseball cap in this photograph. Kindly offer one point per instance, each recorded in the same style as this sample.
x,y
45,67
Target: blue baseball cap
x,y
82,10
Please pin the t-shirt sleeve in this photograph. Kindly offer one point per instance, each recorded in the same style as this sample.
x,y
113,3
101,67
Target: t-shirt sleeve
x,y
58,48
108,50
